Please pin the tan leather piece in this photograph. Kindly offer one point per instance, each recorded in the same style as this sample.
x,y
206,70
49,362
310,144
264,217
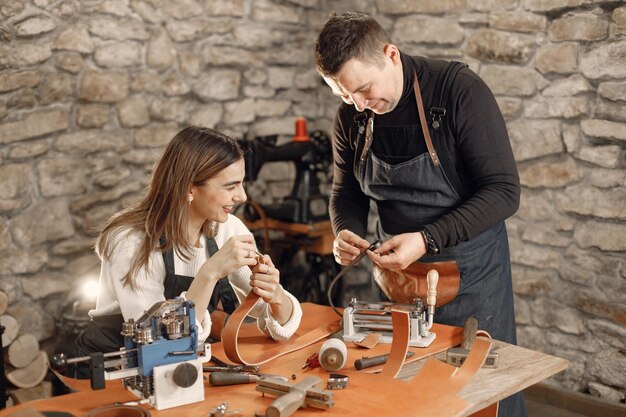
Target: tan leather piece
x,y
369,341
399,343
403,286
257,348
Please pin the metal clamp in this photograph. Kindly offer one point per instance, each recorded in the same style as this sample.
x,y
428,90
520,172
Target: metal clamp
x,y
337,381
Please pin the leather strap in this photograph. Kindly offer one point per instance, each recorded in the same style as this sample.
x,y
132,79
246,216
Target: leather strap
x,y
420,109
399,344
230,336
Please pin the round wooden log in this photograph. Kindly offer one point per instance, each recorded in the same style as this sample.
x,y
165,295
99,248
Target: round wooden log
x,y
11,327
38,392
32,374
4,302
23,350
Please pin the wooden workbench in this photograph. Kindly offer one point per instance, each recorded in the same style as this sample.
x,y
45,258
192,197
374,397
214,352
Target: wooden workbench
x,y
518,369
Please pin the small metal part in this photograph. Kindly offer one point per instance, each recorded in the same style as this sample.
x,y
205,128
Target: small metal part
x,y
337,381
185,375
293,376
175,329
128,328
221,410
144,336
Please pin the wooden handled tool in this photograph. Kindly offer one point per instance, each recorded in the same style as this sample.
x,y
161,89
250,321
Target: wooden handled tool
x,y
456,356
220,379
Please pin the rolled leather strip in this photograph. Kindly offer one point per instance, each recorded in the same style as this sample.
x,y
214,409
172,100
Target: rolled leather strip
x,y
230,336
119,411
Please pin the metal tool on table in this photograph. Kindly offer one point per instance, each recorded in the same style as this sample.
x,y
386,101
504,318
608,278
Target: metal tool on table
x,y
222,410
368,362
291,397
361,318
222,366
159,361
457,355
220,379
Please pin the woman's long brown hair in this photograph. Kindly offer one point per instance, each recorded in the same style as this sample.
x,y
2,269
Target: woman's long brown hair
x,y
192,157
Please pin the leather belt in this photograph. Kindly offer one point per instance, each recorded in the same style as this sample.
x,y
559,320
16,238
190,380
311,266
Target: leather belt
x,y
119,411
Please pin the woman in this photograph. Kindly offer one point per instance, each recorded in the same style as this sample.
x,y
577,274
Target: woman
x,y
182,240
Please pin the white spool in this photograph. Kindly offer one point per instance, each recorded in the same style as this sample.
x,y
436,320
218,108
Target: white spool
x,y
333,355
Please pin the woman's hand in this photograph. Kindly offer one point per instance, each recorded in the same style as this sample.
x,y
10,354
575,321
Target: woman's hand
x,y
347,246
265,281
238,251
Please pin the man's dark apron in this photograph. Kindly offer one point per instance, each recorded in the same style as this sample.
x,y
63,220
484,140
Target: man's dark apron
x,y
414,193
103,333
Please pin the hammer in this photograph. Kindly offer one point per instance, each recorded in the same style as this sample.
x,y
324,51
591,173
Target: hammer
x,y
456,356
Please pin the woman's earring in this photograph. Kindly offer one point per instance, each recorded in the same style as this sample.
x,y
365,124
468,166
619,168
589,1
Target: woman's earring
x,y
190,199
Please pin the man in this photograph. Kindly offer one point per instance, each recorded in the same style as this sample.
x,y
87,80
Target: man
x,y
438,199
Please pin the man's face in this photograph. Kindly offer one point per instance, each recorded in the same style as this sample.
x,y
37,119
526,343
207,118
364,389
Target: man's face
x,y
370,86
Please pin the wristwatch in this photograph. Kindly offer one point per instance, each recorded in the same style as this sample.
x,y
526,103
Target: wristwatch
x,y
337,381
431,245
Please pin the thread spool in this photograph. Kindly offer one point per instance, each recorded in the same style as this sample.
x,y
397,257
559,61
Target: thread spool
x,y
301,133
333,355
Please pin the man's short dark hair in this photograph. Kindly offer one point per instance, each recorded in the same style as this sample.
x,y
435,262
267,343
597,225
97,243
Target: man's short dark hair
x,y
347,36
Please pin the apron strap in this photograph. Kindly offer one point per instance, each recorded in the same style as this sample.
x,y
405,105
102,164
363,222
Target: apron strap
x,y
420,108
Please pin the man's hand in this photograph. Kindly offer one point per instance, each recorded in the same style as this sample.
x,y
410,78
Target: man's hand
x,y
347,246
400,251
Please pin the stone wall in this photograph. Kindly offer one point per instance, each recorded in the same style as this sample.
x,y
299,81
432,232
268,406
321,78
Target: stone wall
x,y
90,91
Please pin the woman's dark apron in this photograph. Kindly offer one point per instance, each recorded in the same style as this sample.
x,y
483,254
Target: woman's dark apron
x,y
103,333
415,193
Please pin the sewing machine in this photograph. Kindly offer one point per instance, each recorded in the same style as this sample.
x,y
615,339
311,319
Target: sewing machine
x,y
362,318
159,362
311,155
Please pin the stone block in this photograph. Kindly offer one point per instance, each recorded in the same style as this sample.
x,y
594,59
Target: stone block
x,y
19,79
533,138
19,261
604,129
15,179
559,58
614,91
589,201
183,9
605,61
557,107
207,115
75,38
118,29
29,149
237,112
104,87
578,27
118,54
430,30
566,87
62,176
218,85
92,115
70,62
517,21
133,112
34,25
605,236
550,174
427,7
505,47
606,156
56,88
161,52
34,125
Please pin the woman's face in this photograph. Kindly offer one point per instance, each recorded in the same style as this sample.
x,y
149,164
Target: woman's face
x,y
218,196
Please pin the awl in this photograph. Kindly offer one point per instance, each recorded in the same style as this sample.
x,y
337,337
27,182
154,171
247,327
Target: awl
x,y
220,379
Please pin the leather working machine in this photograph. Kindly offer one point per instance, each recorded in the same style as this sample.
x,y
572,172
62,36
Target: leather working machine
x,y
159,362
362,318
